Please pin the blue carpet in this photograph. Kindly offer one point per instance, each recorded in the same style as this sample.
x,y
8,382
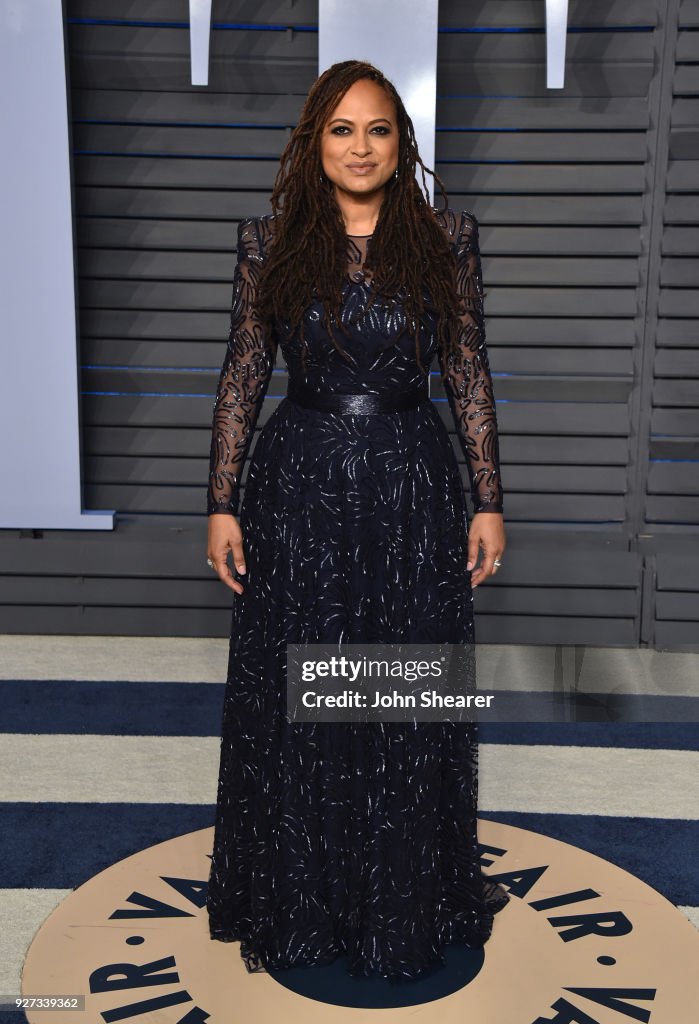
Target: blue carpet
x,y
648,735
659,851
86,838
61,845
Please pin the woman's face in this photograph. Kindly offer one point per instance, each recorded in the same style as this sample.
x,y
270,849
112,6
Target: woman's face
x,y
359,144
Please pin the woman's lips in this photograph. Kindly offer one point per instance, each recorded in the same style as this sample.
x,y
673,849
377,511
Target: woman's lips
x,y
358,169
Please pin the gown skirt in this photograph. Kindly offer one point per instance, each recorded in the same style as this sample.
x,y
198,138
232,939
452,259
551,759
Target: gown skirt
x,y
354,839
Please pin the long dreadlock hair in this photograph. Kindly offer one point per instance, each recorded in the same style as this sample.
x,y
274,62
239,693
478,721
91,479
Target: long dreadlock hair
x,y
307,258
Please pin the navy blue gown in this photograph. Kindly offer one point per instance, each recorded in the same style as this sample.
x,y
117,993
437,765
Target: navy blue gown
x,y
354,839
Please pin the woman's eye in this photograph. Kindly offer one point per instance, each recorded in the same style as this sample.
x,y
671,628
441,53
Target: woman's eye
x,y
342,128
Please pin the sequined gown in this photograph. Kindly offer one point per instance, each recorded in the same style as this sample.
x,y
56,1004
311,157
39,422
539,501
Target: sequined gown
x,y
354,839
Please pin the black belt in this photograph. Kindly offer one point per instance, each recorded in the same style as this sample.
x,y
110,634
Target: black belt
x,y
359,402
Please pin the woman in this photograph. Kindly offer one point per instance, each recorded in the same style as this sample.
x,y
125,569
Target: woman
x,y
342,837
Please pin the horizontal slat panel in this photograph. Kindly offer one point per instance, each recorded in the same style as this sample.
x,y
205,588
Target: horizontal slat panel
x,y
677,333
563,301
687,48
537,361
677,363
589,451
142,57
130,43
193,442
680,240
180,140
139,41
103,175
541,113
497,13
675,422
673,449
203,266
256,143
198,327
180,442
149,472
139,553
209,593
678,302
678,570
584,333
672,509
301,12
175,553
680,273
556,601
571,508
155,472
683,113
549,361
581,419
85,620
688,15
111,591
609,632
675,393
677,606
509,388
684,143
203,221
174,500
249,107
186,207
296,73
674,478
676,636
147,228
256,175
204,622
682,174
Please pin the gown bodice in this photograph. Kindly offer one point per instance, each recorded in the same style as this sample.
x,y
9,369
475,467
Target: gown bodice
x,y
379,357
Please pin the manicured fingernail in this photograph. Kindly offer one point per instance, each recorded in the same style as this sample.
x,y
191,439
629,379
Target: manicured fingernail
x,y
241,568
469,565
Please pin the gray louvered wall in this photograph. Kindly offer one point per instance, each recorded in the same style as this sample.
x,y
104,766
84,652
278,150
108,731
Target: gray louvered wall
x,y
587,203
670,390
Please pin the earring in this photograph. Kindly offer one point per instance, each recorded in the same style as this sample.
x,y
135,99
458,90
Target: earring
x,y
395,173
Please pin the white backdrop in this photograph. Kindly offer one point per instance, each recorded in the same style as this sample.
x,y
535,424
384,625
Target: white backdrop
x,y
39,417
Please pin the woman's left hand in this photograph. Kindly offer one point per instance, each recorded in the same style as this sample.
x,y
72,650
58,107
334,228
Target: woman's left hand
x,y
486,531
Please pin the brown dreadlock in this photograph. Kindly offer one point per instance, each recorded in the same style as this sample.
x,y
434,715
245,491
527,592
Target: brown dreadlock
x,y
308,253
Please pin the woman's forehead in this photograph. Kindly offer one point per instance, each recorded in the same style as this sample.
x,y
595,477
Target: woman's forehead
x,y
363,100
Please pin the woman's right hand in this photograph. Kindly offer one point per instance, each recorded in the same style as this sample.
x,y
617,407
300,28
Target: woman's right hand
x,y
225,535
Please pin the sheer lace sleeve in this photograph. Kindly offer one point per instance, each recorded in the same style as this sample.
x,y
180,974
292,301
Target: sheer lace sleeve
x,y
466,374
244,379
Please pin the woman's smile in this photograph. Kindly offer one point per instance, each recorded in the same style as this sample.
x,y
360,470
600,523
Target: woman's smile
x,y
361,168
